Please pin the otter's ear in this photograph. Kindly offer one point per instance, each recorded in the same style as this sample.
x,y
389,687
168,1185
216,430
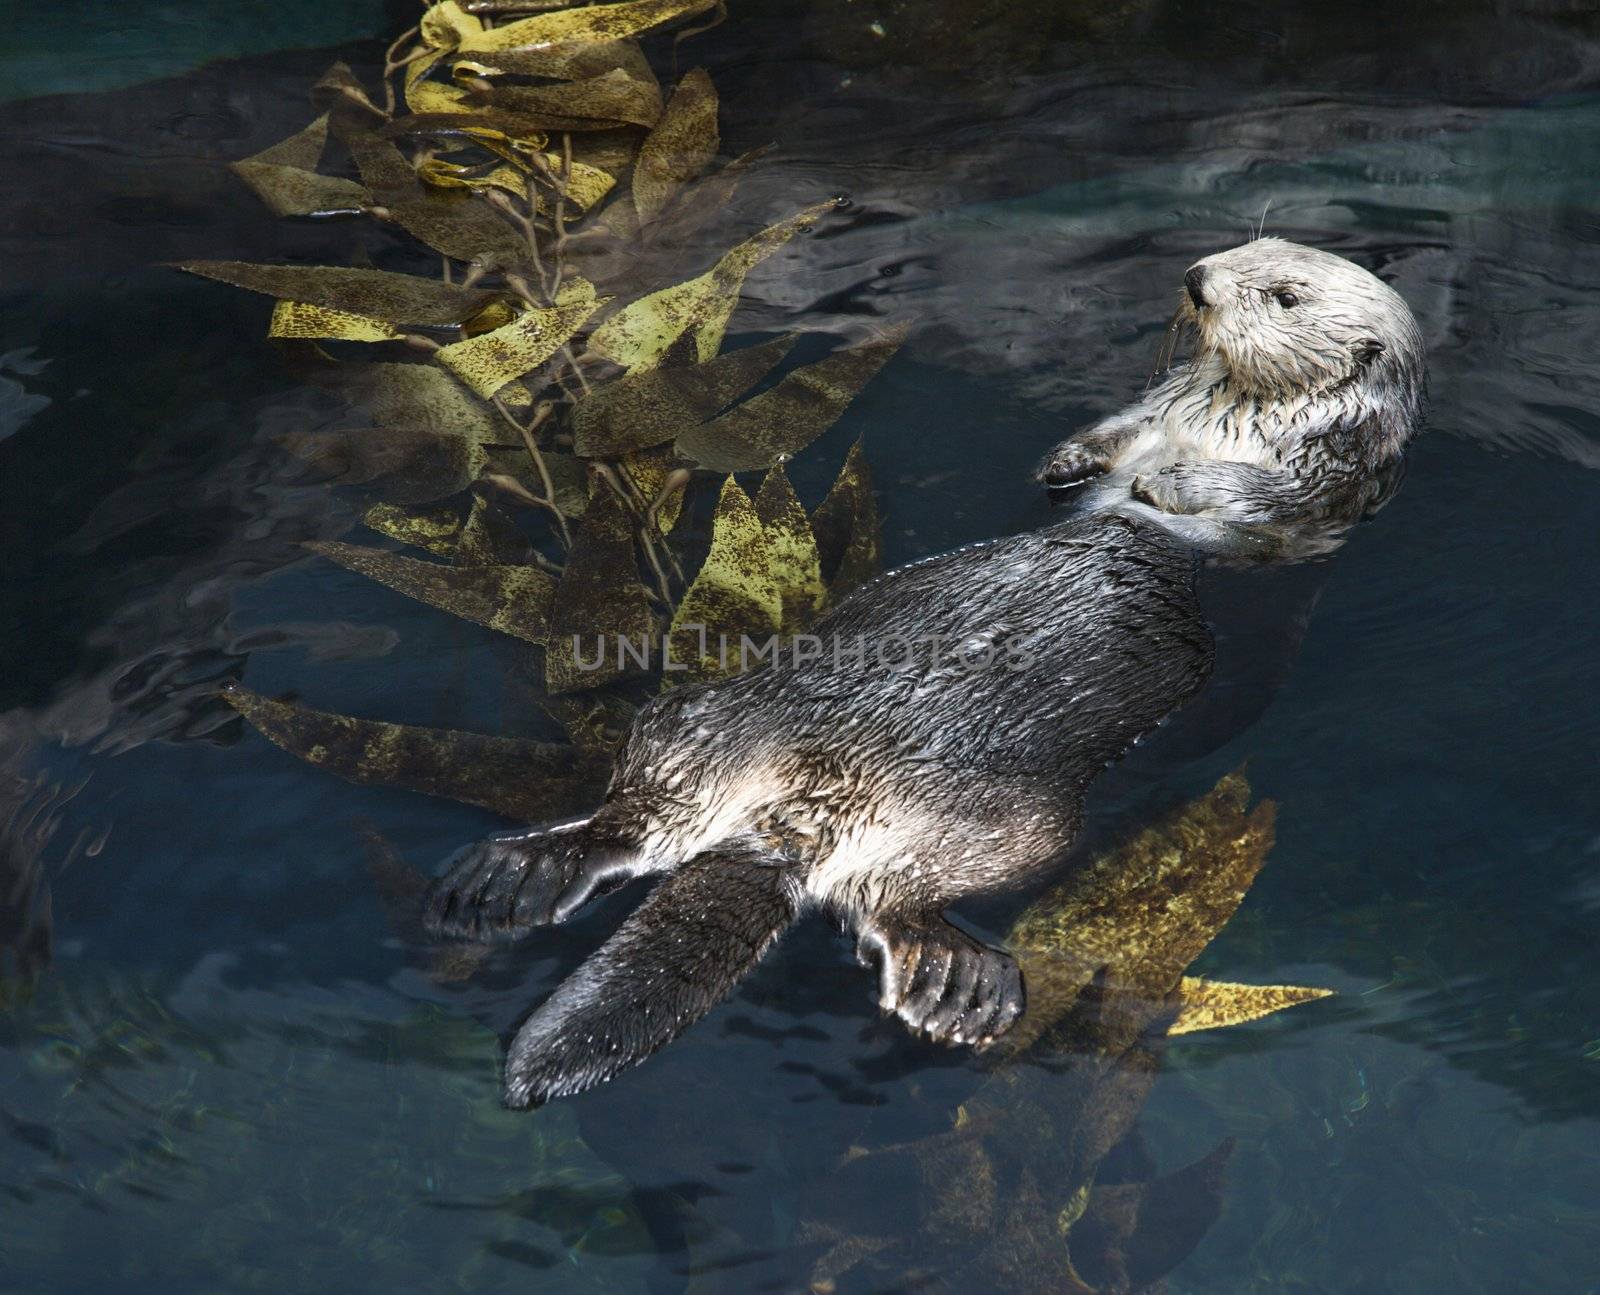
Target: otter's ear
x,y
1368,349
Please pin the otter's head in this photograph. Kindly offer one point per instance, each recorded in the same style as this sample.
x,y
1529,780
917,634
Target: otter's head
x,y
1288,320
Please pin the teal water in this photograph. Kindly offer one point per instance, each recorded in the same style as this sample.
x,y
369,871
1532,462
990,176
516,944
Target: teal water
x,y
236,1074
88,45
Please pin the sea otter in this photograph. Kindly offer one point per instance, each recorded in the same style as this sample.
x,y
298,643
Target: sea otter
x,y
1306,383
939,744
938,747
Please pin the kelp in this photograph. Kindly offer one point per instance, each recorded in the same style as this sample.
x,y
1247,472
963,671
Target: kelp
x,y
653,406
790,548
640,334
512,599
528,781
849,538
409,466
299,319
603,22
681,144
772,427
598,602
494,142
489,361
395,298
735,592
1010,1195
285,176
438,530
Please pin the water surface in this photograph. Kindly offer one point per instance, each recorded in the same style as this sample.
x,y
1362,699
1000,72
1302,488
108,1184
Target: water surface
x,y
235,1076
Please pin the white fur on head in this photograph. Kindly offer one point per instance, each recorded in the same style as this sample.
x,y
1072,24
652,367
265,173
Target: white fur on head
x,y
1288,323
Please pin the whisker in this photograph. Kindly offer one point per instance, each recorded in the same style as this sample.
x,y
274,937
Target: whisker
x,y
1169,345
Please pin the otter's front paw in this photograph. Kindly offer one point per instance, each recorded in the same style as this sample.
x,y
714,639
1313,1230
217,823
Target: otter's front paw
x,y
944,984
1181,488
1071,464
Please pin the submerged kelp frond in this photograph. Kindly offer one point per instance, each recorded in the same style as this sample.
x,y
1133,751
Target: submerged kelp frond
x,y
777,424
640,334
512,599
528,781
1011,1195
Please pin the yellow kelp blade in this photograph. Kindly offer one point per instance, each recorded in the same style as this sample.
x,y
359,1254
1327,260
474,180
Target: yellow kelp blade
x,y
491,538
512,599
526,781
292,319
446,25
285,176
736,592
774,426
425,95
796,568
303,149
596,103
1213,1004
652,406
848,531
490,360
602,22
380,294
679,146
451,175
421,398
639,334
568,61
404,465
598,601
438,530
1138,915
586,186
290,191
458,224
595,721
648,470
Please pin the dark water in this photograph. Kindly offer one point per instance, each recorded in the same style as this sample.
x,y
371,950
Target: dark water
x,y
234,1077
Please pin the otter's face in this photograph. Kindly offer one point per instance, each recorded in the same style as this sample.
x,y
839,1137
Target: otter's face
x,y
1288,319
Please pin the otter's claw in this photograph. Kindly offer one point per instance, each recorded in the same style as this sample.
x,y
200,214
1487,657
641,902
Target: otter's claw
x,y
944,984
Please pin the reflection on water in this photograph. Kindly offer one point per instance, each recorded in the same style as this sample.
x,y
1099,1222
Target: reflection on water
x,y
240,1073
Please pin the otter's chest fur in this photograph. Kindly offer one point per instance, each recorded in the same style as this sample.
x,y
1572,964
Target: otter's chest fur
x,y
1217,421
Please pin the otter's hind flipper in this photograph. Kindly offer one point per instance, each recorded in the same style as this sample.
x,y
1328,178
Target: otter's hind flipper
x,y
680,953
503,887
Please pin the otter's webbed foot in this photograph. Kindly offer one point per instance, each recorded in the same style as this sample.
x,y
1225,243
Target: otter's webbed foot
x,y
503,887
1072,463
943,983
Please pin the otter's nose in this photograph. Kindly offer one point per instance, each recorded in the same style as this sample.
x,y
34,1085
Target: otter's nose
x,y
1195,282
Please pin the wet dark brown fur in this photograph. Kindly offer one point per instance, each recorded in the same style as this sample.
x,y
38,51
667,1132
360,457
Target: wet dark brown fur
x,y
877,790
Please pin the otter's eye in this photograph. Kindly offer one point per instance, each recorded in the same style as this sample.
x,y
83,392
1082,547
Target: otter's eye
x,y
1287,299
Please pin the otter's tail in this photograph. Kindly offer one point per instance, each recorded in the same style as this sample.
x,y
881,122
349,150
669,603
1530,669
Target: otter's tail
x,y
698,933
